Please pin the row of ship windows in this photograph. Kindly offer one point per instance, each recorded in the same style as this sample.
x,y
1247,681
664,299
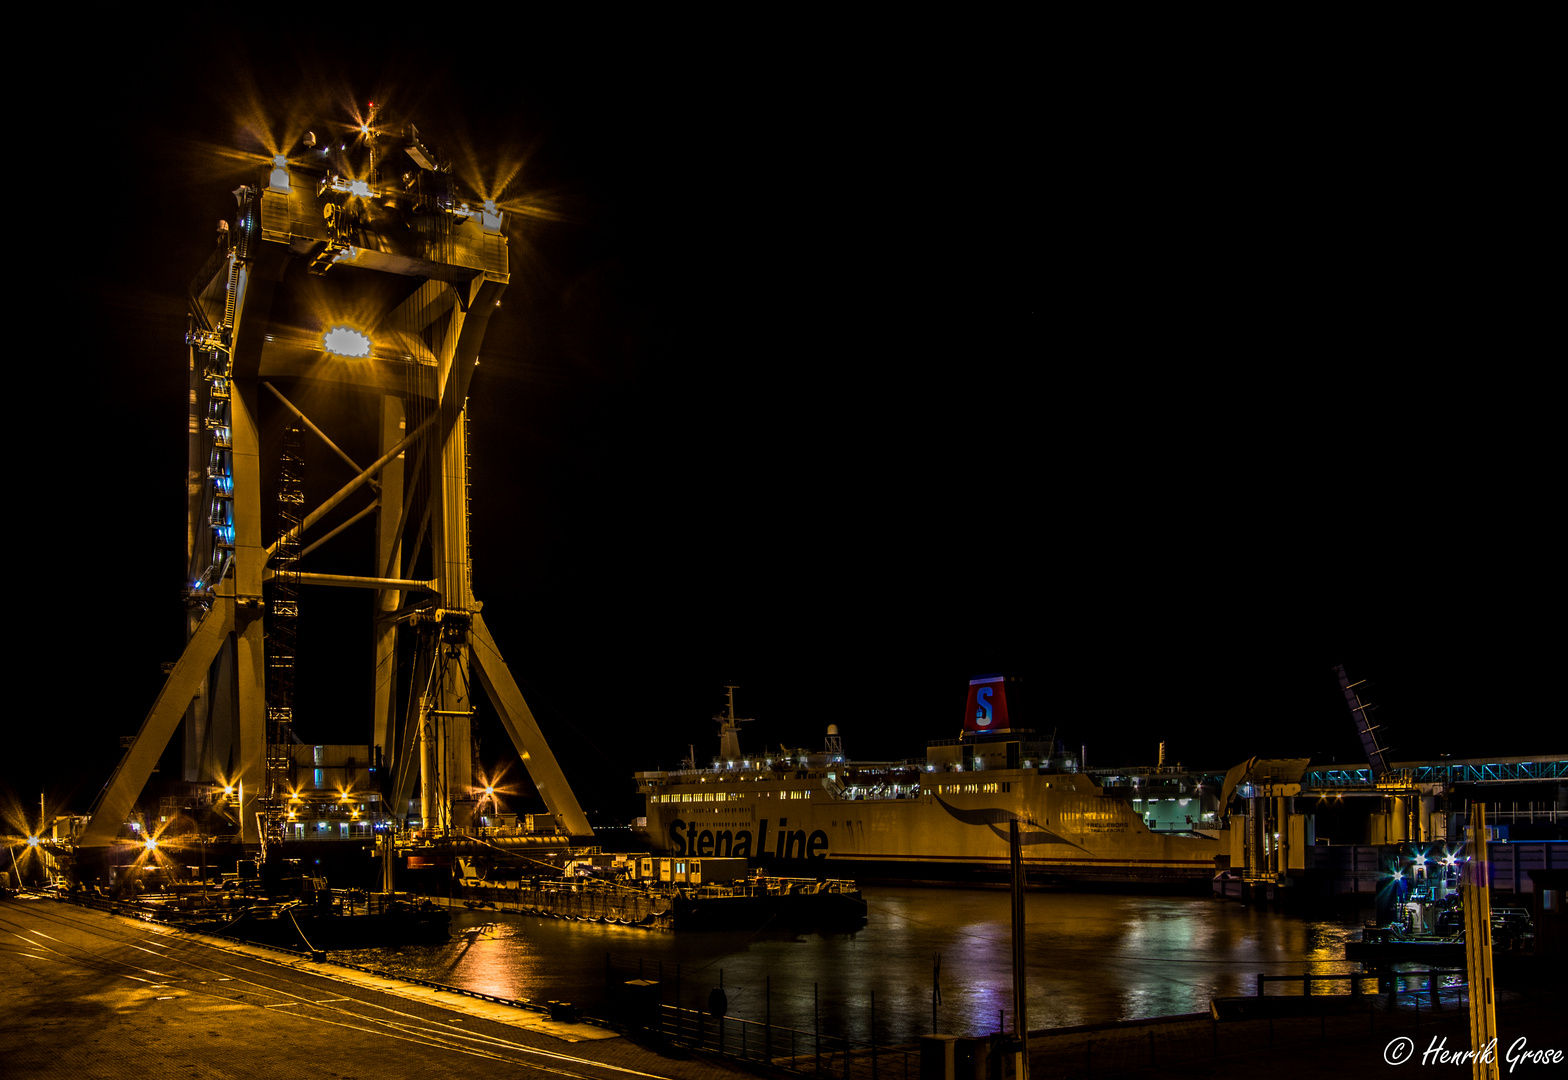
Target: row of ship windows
x,y
798,774
727,796
1001,788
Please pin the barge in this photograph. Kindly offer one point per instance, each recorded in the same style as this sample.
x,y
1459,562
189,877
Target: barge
x,y
752,903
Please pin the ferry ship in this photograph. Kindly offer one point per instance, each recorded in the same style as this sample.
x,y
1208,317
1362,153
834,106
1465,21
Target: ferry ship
x,y
944,818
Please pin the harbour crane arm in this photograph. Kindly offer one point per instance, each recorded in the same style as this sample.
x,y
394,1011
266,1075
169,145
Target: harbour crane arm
x,y
524,731
183,683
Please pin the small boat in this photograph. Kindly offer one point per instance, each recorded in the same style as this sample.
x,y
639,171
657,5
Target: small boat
x,y
1388,944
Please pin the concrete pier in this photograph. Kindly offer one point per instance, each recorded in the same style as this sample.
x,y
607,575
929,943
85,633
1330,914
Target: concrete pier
x,y
88,994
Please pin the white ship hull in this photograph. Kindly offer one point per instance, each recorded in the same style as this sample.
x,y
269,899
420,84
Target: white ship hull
x,y
917,825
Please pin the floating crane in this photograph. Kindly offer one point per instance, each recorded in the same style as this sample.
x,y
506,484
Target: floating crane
x,y
356,266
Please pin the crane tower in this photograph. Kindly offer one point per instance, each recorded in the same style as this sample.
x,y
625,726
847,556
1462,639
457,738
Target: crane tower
x,y
355,269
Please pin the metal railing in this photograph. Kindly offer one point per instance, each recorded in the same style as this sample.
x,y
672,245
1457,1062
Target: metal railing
x,y
1431,982
781,1047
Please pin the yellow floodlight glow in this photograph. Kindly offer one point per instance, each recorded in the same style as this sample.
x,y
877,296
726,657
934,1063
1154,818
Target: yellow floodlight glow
x,y
360,188
342,341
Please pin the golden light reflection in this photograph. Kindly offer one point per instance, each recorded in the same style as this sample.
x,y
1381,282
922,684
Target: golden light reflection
x,y
488,960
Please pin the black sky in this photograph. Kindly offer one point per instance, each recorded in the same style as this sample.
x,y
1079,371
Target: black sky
x,y
852,368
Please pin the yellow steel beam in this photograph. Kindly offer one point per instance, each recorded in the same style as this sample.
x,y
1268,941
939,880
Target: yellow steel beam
x,y
1478,950
130,776
520,724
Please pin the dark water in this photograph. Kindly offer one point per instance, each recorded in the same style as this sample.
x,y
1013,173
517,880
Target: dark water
x,y
1091,959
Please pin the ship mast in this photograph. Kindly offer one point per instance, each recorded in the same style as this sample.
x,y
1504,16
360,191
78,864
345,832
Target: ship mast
x,y
729,726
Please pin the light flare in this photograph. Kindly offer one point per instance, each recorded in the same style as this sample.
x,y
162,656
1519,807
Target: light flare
x,y
489,789
344,341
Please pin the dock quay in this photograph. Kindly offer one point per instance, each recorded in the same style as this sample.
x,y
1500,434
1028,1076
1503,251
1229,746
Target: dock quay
x,y
88,993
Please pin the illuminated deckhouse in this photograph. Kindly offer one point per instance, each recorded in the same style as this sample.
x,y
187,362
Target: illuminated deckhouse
x,y
353,269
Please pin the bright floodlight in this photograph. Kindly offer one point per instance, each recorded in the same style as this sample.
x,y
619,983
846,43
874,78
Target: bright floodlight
x,y
345,342
152,843
279,179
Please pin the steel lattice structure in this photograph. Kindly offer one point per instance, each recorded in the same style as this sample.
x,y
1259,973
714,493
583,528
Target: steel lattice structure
x,y
1471,771
359,268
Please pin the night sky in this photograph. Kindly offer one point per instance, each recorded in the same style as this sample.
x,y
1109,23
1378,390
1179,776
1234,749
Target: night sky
x,y
847,367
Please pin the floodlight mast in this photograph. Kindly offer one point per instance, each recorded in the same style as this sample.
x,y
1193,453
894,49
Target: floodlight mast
x,y
363,270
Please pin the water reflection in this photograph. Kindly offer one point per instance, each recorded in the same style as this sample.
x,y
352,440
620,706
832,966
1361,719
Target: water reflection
x,y
1090,959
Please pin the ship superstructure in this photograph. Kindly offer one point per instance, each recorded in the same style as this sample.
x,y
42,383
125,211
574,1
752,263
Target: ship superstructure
x,y
943,817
